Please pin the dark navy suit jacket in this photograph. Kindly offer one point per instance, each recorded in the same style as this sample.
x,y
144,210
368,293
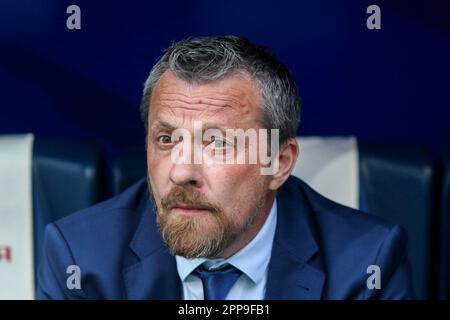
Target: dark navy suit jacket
x,y
321,250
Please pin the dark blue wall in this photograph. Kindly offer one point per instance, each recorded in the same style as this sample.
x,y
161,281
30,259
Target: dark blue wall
x,y
384,85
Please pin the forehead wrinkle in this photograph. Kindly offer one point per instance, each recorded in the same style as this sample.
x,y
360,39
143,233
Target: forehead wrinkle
x,y
208,122
196,107
206,100
208,112
196,113
162,123
205,114
192,89
222,101
247,89
232,92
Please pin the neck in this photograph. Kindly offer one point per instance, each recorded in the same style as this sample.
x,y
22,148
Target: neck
x,y
249,234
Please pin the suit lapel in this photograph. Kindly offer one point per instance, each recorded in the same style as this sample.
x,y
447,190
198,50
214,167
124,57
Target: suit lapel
x,y
154,276
290,279
294,271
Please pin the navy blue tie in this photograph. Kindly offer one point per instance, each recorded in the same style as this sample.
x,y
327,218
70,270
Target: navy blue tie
x,y
217,283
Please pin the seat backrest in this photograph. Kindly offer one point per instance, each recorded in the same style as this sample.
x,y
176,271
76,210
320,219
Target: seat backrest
x,y
128,168
396,184
330,166
66,178
444,265
16,217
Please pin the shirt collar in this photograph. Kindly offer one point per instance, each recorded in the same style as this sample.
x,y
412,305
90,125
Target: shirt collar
x,y
252,259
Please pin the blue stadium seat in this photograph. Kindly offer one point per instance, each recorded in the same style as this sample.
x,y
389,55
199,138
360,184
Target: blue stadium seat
x,y
396,184
444,274
129,167
66,178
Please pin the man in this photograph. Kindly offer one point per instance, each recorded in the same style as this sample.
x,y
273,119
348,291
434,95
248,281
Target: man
x,y
201,227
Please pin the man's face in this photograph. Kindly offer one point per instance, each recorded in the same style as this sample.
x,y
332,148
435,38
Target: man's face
x,y
203,209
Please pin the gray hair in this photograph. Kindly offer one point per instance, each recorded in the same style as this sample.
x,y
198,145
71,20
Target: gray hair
x,y
203,59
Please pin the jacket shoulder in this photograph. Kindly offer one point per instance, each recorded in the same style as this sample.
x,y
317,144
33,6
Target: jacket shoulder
x,y
350,243
96,240
126,203
342,220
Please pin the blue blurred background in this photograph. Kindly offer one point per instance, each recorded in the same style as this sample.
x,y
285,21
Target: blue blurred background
x,y
379,85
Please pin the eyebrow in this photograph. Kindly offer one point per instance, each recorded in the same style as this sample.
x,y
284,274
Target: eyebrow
x,y
161,124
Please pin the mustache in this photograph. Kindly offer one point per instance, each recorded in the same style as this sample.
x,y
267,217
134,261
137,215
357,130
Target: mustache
x,y
188,197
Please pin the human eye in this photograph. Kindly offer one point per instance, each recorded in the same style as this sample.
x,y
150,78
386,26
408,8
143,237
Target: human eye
x,y
219,143
164,139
